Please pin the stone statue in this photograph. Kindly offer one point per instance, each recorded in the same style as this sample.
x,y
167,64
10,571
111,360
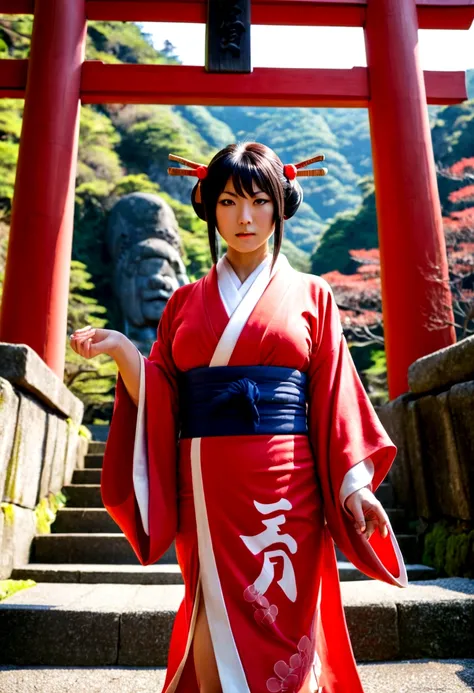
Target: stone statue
x,y
143,240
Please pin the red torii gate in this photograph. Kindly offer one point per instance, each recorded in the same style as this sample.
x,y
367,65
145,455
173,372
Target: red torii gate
x,y
56,79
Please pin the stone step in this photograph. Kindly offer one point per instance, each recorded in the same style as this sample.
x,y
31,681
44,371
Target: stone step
x,y
415,571
411,547
98,520
93,573
158,574
93,464
99,432
86,476
89,489
93,461
58,624
385,494
84,520
113,547
96,447
83,496
447,676
88,548
398,519
409,544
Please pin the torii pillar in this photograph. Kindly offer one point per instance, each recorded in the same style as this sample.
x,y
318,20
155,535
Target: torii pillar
x,y
415,289
36,287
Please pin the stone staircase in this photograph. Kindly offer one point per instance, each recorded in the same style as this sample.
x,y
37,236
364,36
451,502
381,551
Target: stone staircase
x,y
84,625
96,606
86,546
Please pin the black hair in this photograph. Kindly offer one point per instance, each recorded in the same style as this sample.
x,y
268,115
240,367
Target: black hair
x,y
245,163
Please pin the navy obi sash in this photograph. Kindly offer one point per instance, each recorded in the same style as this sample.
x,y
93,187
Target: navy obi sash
x,y
242,400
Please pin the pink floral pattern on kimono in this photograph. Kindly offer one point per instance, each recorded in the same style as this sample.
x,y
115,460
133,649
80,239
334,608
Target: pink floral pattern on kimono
x,y
291,677
267,613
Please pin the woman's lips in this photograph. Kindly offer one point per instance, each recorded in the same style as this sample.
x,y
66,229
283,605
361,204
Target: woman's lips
x,y
244,235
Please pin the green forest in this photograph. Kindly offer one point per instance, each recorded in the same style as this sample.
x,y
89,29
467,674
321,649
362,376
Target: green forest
x,y
124,148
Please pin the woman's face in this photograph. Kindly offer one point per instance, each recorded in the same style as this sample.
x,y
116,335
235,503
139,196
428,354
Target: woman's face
x,y
245,223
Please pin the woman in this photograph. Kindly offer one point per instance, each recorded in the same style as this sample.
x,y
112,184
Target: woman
x,y
247,437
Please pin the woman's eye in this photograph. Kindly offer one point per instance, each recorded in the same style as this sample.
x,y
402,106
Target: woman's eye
x,y
262,200
224,202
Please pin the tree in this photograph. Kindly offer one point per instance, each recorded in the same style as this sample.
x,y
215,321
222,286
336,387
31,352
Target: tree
x,y
355,229
169,51
92,381
459,234
358,297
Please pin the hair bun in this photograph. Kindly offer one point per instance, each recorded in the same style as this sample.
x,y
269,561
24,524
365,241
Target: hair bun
x,y
293,196
198,206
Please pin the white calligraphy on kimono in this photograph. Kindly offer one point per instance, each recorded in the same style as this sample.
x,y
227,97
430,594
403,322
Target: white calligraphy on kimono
x,y
265,539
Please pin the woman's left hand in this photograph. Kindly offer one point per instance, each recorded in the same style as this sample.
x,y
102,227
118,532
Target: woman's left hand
x,y
368,513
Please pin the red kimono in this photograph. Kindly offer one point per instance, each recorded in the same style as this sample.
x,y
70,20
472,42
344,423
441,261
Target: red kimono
x,y
254,516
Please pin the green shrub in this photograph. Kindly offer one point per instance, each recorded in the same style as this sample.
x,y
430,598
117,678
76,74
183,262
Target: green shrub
x,y
449,548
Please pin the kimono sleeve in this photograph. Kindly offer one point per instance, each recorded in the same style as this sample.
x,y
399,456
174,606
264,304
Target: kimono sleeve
x,y
138,482
345,430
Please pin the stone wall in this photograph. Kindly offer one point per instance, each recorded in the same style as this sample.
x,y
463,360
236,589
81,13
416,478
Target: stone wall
x,y
433,427
40,446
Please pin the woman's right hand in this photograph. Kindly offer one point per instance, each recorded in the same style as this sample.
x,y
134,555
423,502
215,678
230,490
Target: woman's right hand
x,y
92,341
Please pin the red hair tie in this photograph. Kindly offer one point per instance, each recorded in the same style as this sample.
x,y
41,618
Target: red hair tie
x,y
201,172
290,171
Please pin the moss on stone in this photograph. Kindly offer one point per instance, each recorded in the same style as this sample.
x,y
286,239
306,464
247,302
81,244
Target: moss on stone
x,y
435,546
457,549
84,432
8,510
449,548
9,587
46,511
74,427
13,465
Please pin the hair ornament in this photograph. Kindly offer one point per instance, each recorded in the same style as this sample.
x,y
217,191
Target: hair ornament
x,y
291,171
198,170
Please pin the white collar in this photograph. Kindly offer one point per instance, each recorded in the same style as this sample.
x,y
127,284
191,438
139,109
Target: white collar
x,y
231,289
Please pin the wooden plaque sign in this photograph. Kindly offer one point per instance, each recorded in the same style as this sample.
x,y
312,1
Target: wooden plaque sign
x,y
228,36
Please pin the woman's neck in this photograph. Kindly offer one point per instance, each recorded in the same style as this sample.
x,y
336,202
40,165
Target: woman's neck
x,y
244,264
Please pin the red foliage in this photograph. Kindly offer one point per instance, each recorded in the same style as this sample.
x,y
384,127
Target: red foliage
x,y
358,295
369,271
459,228
361,255
462,195
461,261
459,234
462,168
464,216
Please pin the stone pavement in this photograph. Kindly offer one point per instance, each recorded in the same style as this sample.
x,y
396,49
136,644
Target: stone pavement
x,y
449,676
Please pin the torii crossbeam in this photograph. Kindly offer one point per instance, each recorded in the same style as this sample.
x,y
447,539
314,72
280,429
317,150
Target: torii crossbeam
x,y
394,88
432,14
